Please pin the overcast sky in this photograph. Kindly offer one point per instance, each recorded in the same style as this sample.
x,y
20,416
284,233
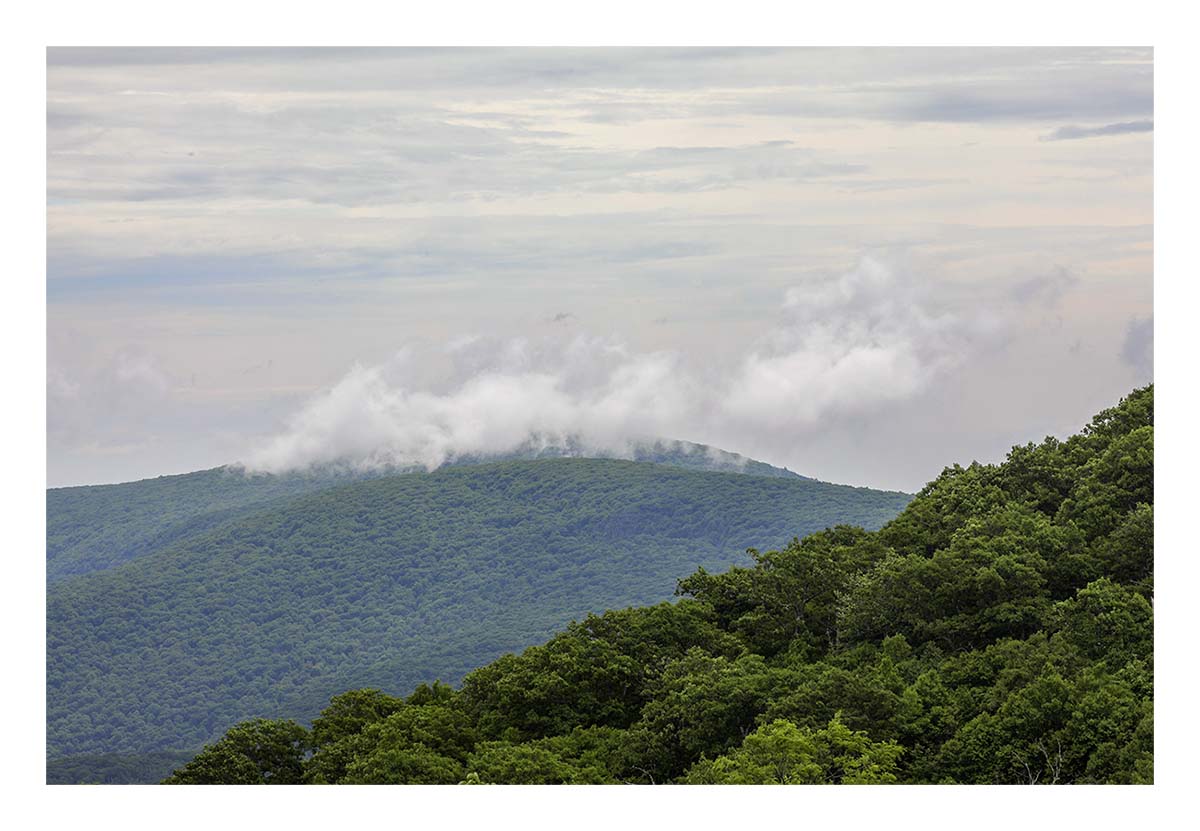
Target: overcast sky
x,y
862,264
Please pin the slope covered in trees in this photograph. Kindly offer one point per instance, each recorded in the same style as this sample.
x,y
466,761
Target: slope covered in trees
x,y
95,527
391,582
999,630
114,768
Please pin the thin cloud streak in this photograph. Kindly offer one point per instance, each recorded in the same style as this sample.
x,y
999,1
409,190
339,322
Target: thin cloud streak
x,y
1076,132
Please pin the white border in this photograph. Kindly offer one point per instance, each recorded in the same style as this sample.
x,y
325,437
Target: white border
x,y
28,31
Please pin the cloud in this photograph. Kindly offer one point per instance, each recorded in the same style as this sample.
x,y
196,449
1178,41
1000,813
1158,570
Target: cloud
x,y
627,69
332,162
871,337
1045,290
372,418
122,396
846,346
1076,132
1137,350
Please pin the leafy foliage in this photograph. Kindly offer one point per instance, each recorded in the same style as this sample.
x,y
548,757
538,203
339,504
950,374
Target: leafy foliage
x,y
780,753
256,752
999,630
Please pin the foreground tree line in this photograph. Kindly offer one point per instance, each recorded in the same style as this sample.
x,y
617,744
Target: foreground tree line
x,y
999,630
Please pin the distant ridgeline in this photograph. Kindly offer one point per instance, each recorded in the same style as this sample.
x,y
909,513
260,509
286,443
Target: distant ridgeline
x,y
683,454
181,605
95,527
999,630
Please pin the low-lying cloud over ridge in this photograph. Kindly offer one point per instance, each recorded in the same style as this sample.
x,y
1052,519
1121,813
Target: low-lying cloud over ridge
x,y
866,340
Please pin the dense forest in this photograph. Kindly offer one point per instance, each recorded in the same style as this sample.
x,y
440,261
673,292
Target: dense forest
x,y
114,768
999,630
95,527
387,582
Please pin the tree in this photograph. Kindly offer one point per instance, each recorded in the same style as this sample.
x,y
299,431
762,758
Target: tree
x,y
701,705
255,752
584,756
1106,621
348,713
789,599
1113,483
781,753
413,764
426,744
1001,632
1127,554
506,763
336,733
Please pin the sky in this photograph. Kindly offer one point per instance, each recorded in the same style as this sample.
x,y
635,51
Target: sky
x,y
862,264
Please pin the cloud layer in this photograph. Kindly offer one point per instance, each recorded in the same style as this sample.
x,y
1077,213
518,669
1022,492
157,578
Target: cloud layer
x,y
848,346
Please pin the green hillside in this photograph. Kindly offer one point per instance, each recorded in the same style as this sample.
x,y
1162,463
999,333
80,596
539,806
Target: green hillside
x,y
114,768
392,582
999,630
94,527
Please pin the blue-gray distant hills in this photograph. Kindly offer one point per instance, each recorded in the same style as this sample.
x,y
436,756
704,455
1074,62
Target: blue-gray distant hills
x,y
181,605
95,527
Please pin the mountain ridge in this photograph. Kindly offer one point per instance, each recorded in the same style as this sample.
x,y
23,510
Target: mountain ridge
x,y
409,578
147,514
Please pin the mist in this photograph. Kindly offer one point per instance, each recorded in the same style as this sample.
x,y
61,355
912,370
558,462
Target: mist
x,y
850,346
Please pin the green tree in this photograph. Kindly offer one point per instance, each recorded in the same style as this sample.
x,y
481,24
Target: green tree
x,y
1000,631
788,600
426,744
336,733
780,753
701,705
506,763
348,713
1106,621
255,752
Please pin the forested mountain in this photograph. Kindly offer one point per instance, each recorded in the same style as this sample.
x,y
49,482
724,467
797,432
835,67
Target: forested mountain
x,y
114,768
95,527
999,630
388,582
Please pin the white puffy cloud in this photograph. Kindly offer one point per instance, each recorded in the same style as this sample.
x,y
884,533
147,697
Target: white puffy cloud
x,y
864,340
851,344
374,417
